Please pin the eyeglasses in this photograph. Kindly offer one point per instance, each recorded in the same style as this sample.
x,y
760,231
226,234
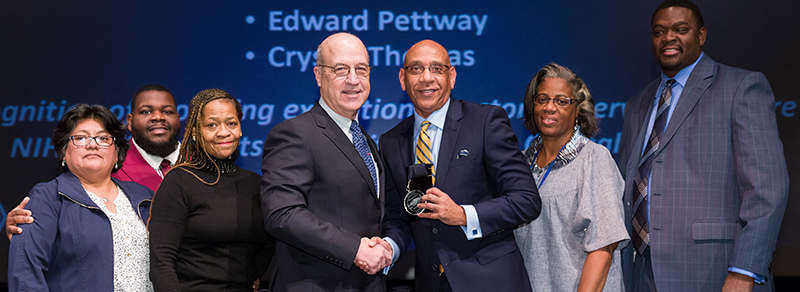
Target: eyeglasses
x,y
419,69
83,140
344,70
560,101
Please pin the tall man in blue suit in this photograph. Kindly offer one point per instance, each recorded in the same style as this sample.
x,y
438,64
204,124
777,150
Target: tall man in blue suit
x,y
706,181
482,186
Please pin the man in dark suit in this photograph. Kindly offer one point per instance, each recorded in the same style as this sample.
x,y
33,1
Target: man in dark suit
x,y
482,186
155,126
322,187
706,181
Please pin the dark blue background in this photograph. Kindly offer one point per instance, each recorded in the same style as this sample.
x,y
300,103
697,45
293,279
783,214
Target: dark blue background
x,y
102,51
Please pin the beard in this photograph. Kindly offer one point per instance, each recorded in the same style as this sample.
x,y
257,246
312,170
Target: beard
x,y
162,149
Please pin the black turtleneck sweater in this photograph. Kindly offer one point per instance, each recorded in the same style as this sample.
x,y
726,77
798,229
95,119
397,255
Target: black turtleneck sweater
x,y
208,238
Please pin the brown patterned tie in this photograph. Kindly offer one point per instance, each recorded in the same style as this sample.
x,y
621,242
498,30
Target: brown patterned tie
x,y
641,228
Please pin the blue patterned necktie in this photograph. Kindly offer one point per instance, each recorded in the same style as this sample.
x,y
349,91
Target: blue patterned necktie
x,y
363,150
641,228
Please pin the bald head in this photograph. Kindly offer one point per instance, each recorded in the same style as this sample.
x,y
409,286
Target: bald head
x,y
427,77
336,40
343,94
427,47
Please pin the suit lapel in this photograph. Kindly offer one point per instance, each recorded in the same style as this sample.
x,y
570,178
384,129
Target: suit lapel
x,y
698,82
407,142
452,126
642,118
373,149
331,130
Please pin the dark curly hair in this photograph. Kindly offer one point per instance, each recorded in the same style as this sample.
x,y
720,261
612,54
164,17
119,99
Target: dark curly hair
x,y
99,113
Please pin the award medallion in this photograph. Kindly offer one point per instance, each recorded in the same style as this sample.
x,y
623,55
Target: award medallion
x,y
413,197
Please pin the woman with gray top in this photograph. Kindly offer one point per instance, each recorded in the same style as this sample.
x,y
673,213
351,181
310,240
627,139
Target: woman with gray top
x,y
574,244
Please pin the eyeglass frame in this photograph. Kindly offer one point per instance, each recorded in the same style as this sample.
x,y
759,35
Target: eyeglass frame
x,y
72,138
548,99
430,68
369,69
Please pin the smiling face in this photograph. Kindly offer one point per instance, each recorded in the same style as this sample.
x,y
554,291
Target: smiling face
x,y
154,122
345,94
90,161
677,39
555,122
428,91
221,128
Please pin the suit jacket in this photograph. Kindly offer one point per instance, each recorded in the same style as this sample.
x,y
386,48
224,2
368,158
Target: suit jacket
x,y
494,178
318,200
136,169
719,183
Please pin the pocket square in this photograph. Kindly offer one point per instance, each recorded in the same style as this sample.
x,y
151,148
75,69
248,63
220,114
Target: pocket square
x,y
462,153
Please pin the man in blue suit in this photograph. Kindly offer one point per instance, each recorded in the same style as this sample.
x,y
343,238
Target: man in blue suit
x,y
482,186
706,181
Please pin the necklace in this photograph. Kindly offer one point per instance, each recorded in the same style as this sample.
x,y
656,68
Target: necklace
x,y
551,163
105,199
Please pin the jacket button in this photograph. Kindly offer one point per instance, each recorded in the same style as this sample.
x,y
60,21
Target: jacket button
x,y
435,231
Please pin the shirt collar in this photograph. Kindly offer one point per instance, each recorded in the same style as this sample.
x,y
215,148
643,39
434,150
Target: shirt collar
x,y
341,121
436,118
155,161
683,74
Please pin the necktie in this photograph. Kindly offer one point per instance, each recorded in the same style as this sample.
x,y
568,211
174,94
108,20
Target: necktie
x,y
641,228
424,148
363,150
164,167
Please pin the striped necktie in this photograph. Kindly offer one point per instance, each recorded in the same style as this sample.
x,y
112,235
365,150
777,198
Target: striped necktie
x,y
641,228
424,148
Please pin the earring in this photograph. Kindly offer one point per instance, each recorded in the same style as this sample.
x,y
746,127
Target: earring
x,y
193,139
576,128
116,165
63,163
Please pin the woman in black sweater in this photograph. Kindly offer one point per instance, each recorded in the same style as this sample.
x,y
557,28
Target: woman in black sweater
x,y
206,227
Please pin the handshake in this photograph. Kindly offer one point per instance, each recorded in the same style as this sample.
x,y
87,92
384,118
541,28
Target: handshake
x,y
373,255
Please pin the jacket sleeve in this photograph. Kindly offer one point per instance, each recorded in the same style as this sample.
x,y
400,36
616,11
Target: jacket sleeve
x,y
30,253
761,173
288,174
395,224
518,201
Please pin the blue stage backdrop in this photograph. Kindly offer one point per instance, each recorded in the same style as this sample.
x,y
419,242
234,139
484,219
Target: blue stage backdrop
x,y
59,53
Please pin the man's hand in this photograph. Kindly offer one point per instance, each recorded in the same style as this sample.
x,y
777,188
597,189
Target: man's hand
x,y
736,282
377,240
442,208
373,258
18,215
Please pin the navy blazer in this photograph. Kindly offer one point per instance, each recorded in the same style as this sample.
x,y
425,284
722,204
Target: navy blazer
x,y
719,182
70,246
494,178
318,200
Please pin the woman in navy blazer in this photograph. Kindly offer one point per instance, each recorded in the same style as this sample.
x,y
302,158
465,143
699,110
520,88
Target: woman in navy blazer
x,y
71,245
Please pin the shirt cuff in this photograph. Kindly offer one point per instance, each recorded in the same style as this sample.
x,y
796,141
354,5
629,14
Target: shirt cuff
x,y
473,228
395,254
758,279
